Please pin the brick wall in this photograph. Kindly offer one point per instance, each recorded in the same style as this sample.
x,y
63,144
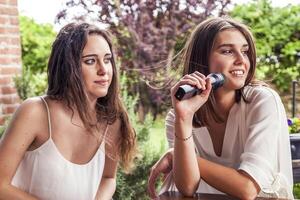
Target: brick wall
x,y
10,57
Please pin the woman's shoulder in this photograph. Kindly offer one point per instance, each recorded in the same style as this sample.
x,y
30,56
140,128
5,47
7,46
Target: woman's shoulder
x,y
259,92
32,106
29,117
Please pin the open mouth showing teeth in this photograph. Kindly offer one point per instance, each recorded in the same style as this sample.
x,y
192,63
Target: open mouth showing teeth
x,y
237,72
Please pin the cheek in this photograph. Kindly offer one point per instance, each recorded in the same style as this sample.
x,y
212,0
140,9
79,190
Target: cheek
x,y
216,65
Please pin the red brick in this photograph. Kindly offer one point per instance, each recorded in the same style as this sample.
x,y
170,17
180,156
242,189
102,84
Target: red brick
x,y
9,61
10,51
9,99
4,80
9,40
13,11
10,70
14,21
3,1
2,120
13,2
9,30
4,19
8,90
8,109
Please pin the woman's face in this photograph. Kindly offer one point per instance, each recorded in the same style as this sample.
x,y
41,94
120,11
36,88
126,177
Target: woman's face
x,y
229,56
96,67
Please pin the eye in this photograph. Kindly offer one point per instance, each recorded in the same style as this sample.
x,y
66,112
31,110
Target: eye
x,y
107,60
90,61
245,52
226,51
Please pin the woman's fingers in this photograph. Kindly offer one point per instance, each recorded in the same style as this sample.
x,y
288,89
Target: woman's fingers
x,y
195,79
154,173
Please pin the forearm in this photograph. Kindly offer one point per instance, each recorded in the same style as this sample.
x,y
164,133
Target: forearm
x,y
228,180
186,171
10,192
106,189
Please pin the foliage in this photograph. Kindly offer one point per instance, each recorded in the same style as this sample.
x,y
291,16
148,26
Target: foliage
x,y
133,186
2,129
4,126
36,41
147,33
296,191
29,84
294,125
277,31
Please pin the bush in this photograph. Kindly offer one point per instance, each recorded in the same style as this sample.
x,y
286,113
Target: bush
x,y
294,124
134,185
29,84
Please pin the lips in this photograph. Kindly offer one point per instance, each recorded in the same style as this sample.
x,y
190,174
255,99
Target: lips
x,y
102,82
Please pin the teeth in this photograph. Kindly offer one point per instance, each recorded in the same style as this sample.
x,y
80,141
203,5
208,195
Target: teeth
x,y
237,72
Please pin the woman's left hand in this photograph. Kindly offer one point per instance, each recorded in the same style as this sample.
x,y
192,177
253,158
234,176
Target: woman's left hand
x,y
162,166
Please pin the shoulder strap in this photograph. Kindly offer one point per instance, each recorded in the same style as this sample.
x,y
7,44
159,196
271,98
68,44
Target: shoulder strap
x,y
48,114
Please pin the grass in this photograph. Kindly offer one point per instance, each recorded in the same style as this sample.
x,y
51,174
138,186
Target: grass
x,y
157,139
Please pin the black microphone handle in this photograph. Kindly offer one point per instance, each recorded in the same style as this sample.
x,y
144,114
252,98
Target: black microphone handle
x,y
187,91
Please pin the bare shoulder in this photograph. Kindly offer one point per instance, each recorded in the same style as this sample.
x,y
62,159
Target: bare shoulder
x,y
22,131
28,117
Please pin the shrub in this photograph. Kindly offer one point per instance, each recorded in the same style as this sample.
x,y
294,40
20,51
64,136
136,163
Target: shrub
x,y
29,84
294,125
134,185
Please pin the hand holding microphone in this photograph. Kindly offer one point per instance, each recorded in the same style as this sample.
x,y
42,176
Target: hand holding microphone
x,y
188,91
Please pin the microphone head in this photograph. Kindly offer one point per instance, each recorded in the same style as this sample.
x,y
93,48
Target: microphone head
x,y
217,80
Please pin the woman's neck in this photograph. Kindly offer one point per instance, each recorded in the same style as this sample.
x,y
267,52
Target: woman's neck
x,y
224,100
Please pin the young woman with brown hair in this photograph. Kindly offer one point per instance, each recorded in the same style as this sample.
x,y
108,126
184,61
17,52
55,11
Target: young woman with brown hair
x,y
234,139
67,144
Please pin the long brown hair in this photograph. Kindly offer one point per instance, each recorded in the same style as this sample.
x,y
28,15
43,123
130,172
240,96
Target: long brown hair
x,y
196,58
65,83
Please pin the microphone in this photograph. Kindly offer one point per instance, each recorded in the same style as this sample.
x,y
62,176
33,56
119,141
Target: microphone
x,y
188,91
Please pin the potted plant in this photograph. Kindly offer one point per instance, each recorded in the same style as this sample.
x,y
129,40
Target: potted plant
x,y
294,129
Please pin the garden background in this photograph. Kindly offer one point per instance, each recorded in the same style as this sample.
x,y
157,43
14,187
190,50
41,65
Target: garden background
x,y
148,34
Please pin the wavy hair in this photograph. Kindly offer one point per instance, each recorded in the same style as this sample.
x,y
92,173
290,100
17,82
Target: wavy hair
x,y
65,83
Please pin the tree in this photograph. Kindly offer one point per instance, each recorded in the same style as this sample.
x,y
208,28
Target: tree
x,y
147,33
36,40
277,33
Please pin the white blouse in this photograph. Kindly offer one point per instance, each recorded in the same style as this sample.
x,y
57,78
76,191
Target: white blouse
x,y
47,175
256,141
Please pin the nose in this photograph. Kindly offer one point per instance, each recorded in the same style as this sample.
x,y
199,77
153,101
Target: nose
x,y
101,68
239,58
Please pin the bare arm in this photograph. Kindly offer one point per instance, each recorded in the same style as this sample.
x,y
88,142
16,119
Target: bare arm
x,y
186,173
228,180
19,135
185,166
107,185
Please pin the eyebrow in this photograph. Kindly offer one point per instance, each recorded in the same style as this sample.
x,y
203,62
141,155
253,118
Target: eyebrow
x,y
95,55
230,45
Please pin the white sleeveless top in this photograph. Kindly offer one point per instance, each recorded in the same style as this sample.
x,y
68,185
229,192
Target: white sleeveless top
x,y
46,174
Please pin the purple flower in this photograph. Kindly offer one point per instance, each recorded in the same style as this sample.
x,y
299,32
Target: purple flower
x,y
290,122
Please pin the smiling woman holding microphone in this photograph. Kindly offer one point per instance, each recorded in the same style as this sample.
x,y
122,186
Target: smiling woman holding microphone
x,y
233,139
